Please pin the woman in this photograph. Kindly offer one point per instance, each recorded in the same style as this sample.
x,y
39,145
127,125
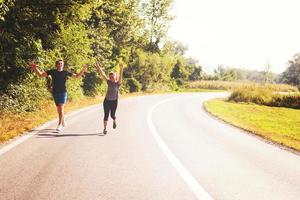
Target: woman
x,y
59,92
111,98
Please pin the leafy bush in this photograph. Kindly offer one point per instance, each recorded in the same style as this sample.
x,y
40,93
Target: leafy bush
x,y
265,96
286,100
23,97
133,85
91,84
180,82
258,95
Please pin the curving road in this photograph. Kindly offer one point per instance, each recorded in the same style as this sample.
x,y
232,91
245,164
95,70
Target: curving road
x,y
165,147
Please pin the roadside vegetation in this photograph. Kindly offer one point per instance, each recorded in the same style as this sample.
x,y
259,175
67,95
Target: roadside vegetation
x,y
239,85
13,124
277,124
271,111
265,96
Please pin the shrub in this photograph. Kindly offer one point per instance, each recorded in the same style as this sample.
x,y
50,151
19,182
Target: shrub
x,y
91,84
23,97
133,85
180,82
265,96
258,95
286,100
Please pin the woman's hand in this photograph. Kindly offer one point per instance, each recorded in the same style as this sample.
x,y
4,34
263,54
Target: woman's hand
x,y
121,66
97,65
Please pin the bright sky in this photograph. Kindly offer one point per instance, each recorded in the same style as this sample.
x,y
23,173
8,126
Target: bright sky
x,y
238,33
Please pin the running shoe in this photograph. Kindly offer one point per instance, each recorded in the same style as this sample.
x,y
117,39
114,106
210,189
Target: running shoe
x,y
59,127
114,125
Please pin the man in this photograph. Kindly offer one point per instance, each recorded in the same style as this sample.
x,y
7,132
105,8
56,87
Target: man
x,y
110,102
59,91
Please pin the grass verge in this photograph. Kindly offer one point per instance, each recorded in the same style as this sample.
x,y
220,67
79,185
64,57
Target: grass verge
x,y
280,125
14,124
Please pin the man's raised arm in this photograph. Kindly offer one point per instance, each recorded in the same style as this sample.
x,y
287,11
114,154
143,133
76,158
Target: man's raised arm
x,y
39,72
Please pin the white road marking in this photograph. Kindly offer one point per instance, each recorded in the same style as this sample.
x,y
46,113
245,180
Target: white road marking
x,y
193,184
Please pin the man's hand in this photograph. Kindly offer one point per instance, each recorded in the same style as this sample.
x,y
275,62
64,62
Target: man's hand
x,y
121,66
32,65
35,68
84,68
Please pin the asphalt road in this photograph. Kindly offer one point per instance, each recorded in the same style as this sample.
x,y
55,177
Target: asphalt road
x,y
165,147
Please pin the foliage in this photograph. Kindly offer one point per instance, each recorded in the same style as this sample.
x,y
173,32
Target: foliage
x,y
265,96
81,32
224,74
92,84
133,85
151,70
197,74
23,97
179,71
157,16
292,74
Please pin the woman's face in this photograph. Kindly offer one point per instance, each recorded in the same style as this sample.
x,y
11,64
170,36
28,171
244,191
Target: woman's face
x,y
113,77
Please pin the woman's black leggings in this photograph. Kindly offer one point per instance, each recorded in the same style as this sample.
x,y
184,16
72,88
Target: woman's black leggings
x,y
110,106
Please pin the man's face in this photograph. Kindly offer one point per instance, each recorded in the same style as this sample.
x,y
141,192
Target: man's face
x,y
60,65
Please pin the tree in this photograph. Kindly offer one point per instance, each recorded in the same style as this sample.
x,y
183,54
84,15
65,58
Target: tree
x,y
292,74
225,74
175,48
179,71
268,76
157,18
197,74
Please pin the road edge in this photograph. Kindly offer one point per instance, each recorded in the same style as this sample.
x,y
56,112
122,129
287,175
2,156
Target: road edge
x,y
10,144
248,132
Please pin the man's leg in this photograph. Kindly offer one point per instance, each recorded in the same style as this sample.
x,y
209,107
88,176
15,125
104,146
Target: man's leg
x,y
60,111
60,99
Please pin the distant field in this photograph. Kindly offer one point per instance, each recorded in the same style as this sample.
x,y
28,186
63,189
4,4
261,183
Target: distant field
x,y
228,85
280,125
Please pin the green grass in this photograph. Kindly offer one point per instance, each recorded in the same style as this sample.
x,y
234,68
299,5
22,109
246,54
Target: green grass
x,y
280,125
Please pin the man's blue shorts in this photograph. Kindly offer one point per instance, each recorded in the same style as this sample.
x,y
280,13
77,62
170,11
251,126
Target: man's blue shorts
x,y
60,98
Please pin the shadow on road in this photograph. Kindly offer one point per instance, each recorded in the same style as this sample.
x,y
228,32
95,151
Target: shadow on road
x,y
47,130
56,134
